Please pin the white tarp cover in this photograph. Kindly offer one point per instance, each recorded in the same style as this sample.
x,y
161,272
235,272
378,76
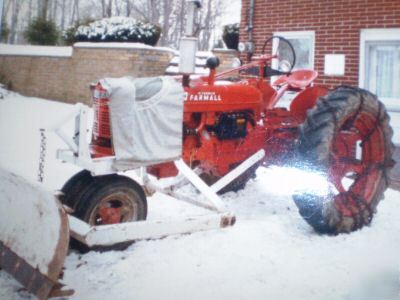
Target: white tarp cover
x,y
146,116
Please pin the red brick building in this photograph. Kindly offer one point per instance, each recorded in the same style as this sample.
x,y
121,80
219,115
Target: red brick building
x,y
352,42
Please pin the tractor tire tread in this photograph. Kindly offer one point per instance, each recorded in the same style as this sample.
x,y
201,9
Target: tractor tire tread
x,y
313,148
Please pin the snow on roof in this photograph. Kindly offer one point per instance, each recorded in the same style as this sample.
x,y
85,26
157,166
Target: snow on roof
x,y
29,50
118,45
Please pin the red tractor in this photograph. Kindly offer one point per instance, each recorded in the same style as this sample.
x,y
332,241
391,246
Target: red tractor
x,y
343,134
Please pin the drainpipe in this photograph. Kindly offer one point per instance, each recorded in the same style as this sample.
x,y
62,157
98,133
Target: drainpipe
x,y
1,17
250,30
251,17
248,47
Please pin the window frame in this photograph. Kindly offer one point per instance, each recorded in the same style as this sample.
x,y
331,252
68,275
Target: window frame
x,y
301,34
374,35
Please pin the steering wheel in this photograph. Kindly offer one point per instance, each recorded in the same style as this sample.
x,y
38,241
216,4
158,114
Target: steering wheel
x,y
285,59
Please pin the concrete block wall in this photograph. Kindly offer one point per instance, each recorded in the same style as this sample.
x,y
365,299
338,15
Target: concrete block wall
x,y
67,78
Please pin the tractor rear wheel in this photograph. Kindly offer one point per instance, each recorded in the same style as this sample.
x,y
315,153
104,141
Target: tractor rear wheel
x,y
346,137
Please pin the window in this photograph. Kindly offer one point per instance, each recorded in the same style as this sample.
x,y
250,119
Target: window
x,y
303,43
380,63
383,68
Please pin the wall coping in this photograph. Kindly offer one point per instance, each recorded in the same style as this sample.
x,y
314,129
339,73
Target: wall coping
x,y
62,51
30,50
225,50
123,45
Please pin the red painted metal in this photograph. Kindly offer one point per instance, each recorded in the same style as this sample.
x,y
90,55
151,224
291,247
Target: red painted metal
x,y
163,170
306,100
101,144
366,169
110,215
301,79
251,99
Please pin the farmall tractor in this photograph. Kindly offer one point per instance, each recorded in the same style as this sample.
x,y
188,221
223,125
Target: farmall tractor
x,y
343,134
212,131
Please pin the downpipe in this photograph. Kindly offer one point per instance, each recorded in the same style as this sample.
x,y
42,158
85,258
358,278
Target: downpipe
x,y
250,27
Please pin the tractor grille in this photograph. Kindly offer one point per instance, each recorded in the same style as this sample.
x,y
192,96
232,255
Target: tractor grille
x,y
101,144
101,120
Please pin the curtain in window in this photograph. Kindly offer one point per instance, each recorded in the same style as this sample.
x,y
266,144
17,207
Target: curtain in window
x,y
383,69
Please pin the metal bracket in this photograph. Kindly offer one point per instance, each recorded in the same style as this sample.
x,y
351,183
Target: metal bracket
x,y
106,235
78,152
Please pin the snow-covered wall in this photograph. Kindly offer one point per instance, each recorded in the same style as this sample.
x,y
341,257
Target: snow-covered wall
x,y
30,50
65,73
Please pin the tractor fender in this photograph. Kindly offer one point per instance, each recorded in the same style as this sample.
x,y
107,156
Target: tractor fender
x,y
306,100
34,234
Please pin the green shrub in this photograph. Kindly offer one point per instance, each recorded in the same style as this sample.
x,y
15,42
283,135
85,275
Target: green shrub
x,y
5,31
231,36
68,36
42,32
119,29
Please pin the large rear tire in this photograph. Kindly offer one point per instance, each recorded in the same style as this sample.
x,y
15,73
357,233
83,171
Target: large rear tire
x,y
346,137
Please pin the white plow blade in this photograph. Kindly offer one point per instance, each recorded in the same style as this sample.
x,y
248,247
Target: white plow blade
x,y
34,234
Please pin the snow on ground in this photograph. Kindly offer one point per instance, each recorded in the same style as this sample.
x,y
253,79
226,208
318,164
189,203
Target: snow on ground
x,y
271,253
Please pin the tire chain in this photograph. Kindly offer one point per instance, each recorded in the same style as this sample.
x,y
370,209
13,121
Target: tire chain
x,y
42,156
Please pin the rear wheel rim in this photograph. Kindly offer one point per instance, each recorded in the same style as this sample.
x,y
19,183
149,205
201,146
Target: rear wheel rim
x,y
113,209
357,159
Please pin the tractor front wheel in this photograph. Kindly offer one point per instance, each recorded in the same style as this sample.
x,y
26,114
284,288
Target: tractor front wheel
x,y
112,199
102,200
346,137
74,187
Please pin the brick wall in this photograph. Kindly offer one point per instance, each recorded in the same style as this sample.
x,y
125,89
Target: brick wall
x,y
67,79
337,25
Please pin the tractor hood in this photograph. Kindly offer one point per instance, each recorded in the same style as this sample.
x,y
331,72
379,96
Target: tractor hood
x,y
222,97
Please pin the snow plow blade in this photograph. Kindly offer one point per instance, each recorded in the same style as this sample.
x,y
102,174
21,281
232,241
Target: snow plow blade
x,y
34,235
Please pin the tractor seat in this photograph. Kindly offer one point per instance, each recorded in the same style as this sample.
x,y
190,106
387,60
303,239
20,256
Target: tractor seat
x,y
298,79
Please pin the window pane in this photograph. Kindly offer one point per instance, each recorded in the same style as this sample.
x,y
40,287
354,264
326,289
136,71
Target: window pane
x,y
302,48
383,68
